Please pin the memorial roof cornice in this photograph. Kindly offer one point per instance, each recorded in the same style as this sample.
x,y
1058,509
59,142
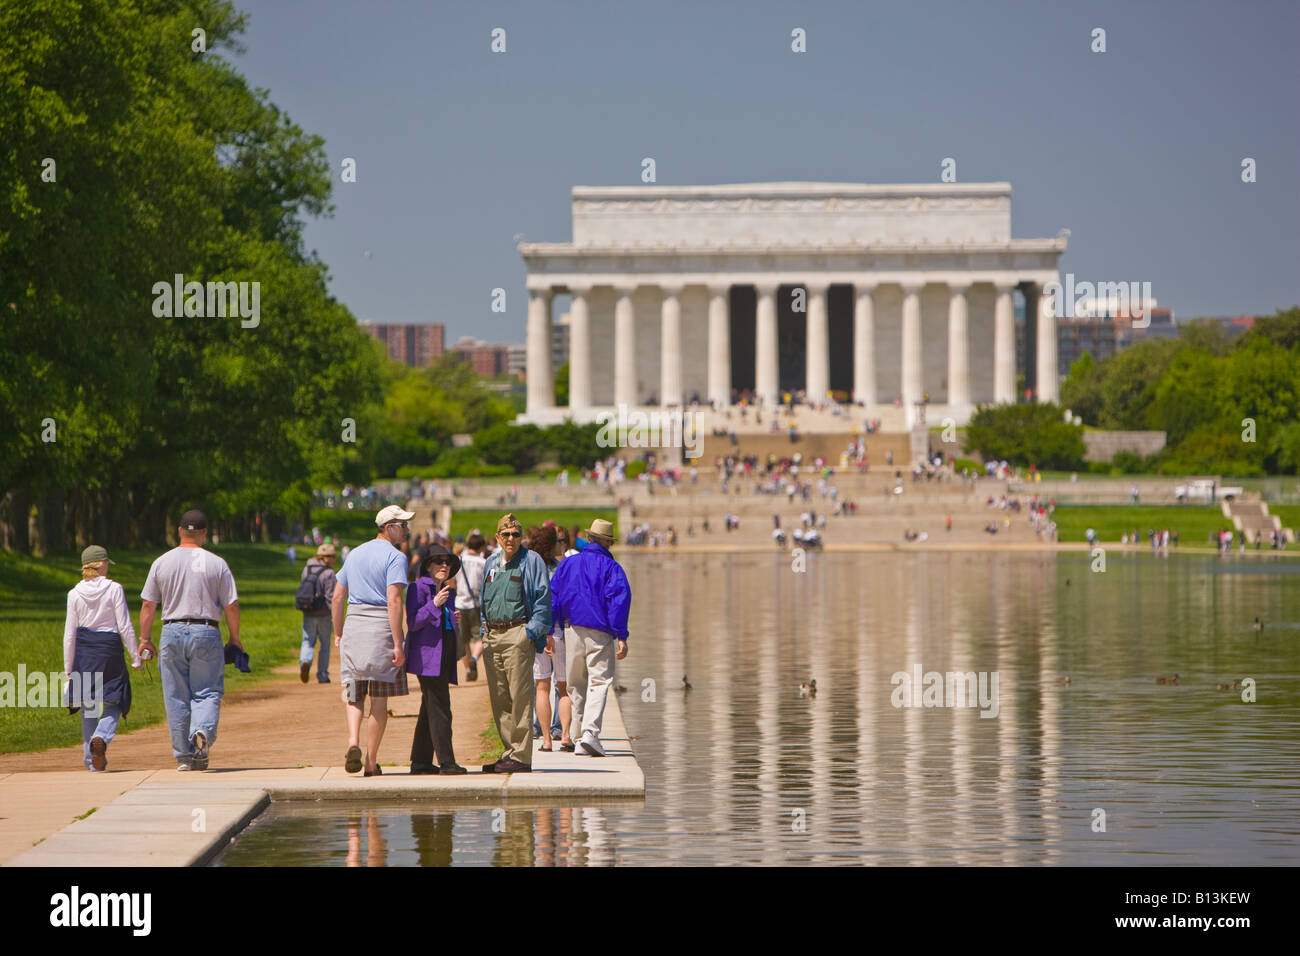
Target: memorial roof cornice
x,y
555,249
793,190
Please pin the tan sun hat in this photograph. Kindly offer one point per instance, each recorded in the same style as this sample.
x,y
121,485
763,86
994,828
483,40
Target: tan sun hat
x,y
326,550
600,528
393,513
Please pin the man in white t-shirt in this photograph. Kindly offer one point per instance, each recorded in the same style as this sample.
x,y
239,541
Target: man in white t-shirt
x,y
194,587
469,582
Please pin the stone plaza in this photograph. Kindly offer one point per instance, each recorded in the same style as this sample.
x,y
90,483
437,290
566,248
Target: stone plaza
x,y
891,296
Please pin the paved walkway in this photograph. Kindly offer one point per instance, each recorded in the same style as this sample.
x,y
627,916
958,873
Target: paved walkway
x,y
147,813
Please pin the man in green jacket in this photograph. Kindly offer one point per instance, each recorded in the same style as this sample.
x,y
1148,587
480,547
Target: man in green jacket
x,y
516,602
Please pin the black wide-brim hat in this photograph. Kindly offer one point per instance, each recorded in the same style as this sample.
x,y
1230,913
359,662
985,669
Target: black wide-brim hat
x,y
438,551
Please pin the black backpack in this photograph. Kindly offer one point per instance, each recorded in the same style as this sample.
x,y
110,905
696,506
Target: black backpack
x,y
308,597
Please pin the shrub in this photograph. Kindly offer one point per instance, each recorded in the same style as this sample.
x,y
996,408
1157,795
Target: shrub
x,y
1027,434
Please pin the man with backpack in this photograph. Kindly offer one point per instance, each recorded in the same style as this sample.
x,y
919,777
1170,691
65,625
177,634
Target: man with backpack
x,y
315,592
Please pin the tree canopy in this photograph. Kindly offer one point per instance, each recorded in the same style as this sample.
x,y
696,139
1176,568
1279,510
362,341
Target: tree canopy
x,y
1227,407
132,157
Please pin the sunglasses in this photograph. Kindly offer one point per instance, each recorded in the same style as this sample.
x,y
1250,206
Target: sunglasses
x,y
401,524
439,561
509,534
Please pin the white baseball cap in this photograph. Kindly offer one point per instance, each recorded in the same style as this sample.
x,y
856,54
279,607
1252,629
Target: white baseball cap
x,y
393,513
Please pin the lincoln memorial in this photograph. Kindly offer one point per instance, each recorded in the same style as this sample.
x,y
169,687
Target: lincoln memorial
x,y
873,293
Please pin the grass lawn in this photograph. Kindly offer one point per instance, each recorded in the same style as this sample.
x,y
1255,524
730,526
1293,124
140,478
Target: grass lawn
x,y
493,748
1290,515
1194,523
33,592
349,527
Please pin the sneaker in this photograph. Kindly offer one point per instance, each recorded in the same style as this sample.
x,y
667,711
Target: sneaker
x,y
200,751
183,765
590,743
304,671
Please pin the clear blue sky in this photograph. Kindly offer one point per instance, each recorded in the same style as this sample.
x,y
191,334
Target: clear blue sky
x,y
1137,151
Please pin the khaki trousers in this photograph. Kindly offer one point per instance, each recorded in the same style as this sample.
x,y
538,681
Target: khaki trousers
x,y
508,658
591,671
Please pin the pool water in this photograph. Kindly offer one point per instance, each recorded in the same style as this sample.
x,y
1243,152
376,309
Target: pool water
x,y
1110,768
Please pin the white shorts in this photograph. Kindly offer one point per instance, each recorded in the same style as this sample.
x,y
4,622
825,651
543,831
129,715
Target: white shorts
x,y
545,666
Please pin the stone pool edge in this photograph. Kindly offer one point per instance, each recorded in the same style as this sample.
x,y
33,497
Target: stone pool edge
x,y
168,819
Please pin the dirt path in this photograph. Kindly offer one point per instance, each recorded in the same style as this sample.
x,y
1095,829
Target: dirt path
x,y
285,723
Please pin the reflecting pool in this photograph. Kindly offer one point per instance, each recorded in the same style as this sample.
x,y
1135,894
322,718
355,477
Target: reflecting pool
x,y
1108,767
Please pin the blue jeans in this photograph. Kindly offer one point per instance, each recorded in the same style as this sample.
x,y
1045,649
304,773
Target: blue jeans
x,y
192,664
103,726
317,628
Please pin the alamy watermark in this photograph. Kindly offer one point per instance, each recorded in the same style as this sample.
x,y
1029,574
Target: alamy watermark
x,y
215,300
1094,300
951,689
38,689
658,428
128,910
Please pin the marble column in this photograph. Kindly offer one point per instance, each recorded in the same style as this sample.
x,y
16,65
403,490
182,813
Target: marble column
x,y
625,390
670,347
1048,378
579,348
719,346
864,346
959,401
912,367
817,366
1004,346
766,361
541,381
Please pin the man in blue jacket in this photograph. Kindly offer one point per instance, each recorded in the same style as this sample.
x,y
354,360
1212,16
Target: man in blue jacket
x,y
516,601
590,595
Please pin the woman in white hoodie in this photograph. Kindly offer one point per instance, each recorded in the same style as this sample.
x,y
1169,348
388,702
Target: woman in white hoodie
x,y
98,626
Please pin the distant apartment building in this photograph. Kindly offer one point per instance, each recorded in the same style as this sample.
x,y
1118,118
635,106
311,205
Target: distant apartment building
x,y
1076,336
518,359
560,342
415,344
487,360
1234,325
1099,333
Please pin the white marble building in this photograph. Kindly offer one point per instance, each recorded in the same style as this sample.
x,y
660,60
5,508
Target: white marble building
x,y
875,291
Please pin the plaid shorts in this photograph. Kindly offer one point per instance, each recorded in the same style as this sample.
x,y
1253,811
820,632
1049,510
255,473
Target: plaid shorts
x,y
358,689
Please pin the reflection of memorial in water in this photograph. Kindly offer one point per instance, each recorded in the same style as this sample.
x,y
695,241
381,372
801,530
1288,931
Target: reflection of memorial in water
x,y
866,777
814,586
764,640
670,699
726,763
714,593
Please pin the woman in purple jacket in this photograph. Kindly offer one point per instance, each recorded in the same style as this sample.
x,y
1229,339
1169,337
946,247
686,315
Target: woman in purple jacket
x,y
431,656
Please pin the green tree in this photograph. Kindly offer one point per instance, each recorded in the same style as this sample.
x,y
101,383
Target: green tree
x,y
1026,434
519,446
1082,392
562,386
165,162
